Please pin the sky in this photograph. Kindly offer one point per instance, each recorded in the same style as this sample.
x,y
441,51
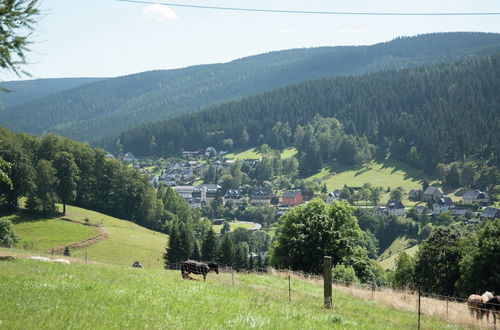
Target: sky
x,y
108,38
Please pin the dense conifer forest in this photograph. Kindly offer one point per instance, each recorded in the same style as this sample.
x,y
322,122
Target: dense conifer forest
x,y
100,111
426,115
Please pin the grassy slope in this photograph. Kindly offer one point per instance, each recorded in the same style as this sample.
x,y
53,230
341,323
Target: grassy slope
x,y
389,173
41,233
126,242
47,295
255,154
389,262
233,226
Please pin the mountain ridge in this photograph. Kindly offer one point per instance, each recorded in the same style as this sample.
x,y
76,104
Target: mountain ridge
x,y
100,111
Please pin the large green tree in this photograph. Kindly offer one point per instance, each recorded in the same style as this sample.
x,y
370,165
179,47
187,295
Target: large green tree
x,y
67,175
480,265
46,185
308,232
437,262
7,235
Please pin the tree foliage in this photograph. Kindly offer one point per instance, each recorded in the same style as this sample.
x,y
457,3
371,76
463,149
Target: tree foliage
x,y
311,231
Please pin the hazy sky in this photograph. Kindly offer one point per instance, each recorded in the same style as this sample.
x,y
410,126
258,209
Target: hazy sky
x,y
105,38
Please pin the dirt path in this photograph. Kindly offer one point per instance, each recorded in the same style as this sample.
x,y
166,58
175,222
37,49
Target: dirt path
x,y
101,234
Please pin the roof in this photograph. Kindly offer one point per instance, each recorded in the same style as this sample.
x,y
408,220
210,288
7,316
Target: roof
x,y
432,190
261,192
475,194
291,193
395,205
444,201
491,212
207,187
335,193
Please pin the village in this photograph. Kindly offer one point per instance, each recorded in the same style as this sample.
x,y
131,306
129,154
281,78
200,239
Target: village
x,y
185,176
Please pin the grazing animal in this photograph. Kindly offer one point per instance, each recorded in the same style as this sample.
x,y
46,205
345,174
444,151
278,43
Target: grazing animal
x,y
493,306
198,268
137,264
485,297
476,305
40,258
62,261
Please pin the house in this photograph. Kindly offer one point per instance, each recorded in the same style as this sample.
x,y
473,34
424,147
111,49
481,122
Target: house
x,y
333,196
443,204
190,154
233,194
206,192
210,152
490,213
415,194
184,191
259,196
291,198
475,196
395,208
128,157
457,212
195,203
431,194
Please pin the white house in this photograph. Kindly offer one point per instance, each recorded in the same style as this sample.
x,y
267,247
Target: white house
x,y
395,208
333,196
443,204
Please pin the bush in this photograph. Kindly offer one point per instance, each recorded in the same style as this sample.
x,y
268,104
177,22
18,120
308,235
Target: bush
x,y
8,236
344,274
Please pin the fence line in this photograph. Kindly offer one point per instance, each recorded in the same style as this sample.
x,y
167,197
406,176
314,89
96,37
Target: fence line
x,y
448,308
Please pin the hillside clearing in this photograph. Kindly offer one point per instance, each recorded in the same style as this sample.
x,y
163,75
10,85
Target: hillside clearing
x,y
234,225
126,242
47,295
42,233
389,262
255,154
387,174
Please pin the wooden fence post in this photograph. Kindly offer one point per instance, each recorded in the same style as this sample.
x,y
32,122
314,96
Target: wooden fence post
x,y
289,289
418,326
327,281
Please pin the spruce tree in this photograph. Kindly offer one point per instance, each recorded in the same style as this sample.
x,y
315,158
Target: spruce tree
x,y
196,255
226,253
209,246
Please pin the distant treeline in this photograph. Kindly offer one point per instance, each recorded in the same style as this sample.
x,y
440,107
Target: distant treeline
x,y
427,115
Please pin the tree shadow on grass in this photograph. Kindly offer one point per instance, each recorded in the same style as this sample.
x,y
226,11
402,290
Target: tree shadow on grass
x,y
24,216
410,173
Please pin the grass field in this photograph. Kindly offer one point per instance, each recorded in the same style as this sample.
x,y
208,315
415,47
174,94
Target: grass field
x,y
389,173
389,262
255,154
38,295
41,233
233,225
126,242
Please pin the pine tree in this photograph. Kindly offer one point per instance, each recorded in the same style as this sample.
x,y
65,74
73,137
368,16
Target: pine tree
x,y
196,252
209,246
226,251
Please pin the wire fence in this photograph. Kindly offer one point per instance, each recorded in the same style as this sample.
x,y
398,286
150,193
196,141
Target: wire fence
x,y
450,309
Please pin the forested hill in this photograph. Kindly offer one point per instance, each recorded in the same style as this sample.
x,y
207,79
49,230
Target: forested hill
x,y
99,112
23,91
426,115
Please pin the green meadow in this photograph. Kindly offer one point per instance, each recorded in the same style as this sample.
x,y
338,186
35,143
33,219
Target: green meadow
x,y
39,295
255,154
126,242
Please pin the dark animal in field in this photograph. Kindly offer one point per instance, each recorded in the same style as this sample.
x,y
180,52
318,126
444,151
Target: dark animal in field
x,y
198,268
493,306
137,264
7,258
476,305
